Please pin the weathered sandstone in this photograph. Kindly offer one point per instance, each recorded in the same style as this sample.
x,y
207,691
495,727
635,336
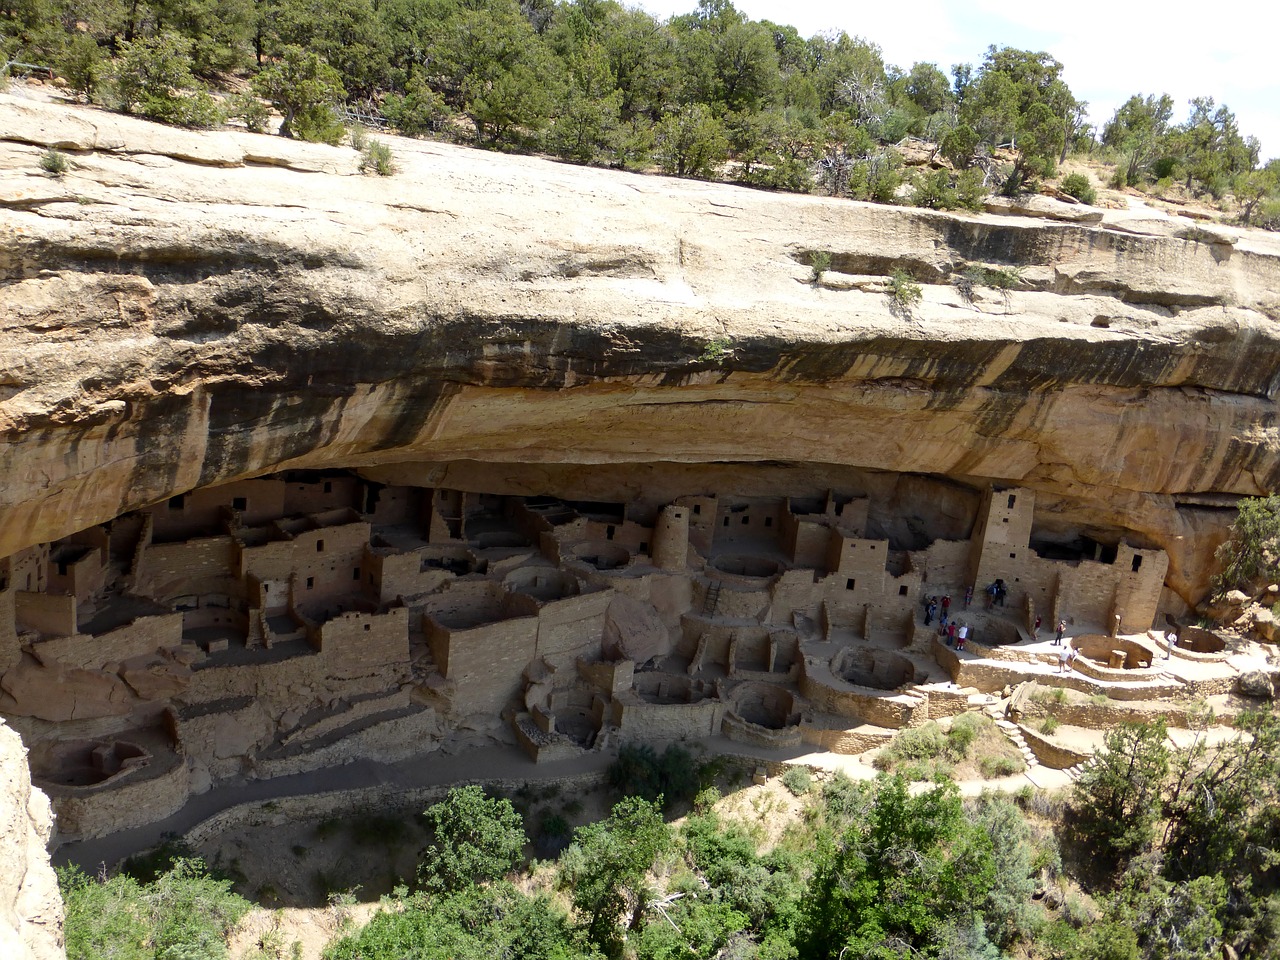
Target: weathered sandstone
x,y
184,309
30,908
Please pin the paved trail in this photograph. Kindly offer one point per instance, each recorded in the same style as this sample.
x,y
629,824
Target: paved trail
x,y
431,770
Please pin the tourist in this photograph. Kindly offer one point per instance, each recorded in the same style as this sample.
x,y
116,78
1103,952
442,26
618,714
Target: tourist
x,y
968,596
946,605
930,610
962,635
1062,628
1065,656
1000,592
951,634
1035,630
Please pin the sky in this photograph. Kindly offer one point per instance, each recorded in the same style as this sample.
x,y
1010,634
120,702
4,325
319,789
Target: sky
x,y
1111,49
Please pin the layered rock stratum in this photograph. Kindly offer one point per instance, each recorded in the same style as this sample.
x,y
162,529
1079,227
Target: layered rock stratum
x,y
184,309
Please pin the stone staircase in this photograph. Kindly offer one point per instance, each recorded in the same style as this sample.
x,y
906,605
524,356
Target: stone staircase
x,y
1075,772
1011,731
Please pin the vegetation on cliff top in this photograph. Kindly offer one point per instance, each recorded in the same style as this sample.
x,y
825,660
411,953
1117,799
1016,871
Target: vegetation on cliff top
x,y
711,93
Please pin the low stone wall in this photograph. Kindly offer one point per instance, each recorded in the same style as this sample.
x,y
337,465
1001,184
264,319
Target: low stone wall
x,y
387,742
86,813
845,742
831,695
744,731
1050,754
1105,716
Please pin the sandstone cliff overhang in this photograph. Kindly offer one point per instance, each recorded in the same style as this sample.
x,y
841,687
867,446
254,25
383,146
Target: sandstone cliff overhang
x,y
184,309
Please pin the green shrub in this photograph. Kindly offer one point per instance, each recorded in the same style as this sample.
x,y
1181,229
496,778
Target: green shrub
x,y
249,110
964,732
183,913
971,190
934,191
798,780
993,767
475,839
1049,724
153,79
820,263
904,293
358,137
1077,185
377,158
54,162
639,771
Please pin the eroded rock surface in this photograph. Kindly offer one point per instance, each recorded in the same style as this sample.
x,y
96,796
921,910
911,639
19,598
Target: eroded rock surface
x,y
30,908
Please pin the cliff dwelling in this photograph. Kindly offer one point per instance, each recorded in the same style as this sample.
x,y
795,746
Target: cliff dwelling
x,y
278,624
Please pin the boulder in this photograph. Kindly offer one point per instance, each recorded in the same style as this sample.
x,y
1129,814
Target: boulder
x,y
1046,207
1257,683
634,631
1265,625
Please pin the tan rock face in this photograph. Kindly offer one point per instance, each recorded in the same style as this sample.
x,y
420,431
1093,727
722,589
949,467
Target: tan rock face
x,y
30,907
185,309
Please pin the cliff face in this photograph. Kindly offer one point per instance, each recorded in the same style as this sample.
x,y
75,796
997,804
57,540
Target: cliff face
x,y
186,309
30,908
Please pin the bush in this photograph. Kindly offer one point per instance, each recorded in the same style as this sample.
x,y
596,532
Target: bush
x,y
54,162
820,263
798,780
303,88
904,292
1077,185
971,190
934,191
153,79
476,839
249,110
1049,724
183,913
993,767
640,772
964,732
377,158
1252,555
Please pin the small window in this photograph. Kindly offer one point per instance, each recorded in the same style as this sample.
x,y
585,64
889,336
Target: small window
x,y
1137,563
28,582
311,582
873,546
62,568
355,574
1013,498
745,521
1004,519
319,546
697,509
768,521
366,628
1013,556
902,590
726,521
328,487
178,502
609,532
240,503
850,583
678,515
644,547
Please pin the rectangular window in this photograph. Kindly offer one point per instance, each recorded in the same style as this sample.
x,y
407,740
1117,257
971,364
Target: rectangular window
x,y
697,509
902,590
609,532
745,521
1012,500
768,521
1137,563
1013,556
850,583
726,521
355,574
328,487
319,546
239,503
311,582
